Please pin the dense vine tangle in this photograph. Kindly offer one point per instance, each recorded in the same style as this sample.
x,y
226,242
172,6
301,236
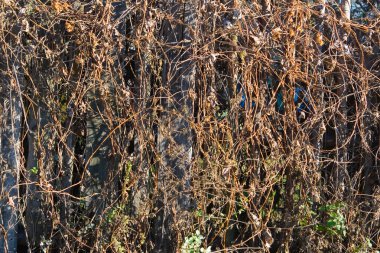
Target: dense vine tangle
x,y
168,126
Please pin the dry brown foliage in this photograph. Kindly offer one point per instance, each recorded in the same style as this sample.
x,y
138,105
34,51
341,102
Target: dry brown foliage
x,y
271,146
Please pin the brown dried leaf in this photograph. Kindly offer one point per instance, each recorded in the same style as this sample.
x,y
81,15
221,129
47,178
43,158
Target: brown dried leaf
x,y
69,26
276,33
59,6
319,39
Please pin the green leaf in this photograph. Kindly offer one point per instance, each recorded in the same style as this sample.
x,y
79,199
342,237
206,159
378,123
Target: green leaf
x,y
198,213
320,228
331,224
34,170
